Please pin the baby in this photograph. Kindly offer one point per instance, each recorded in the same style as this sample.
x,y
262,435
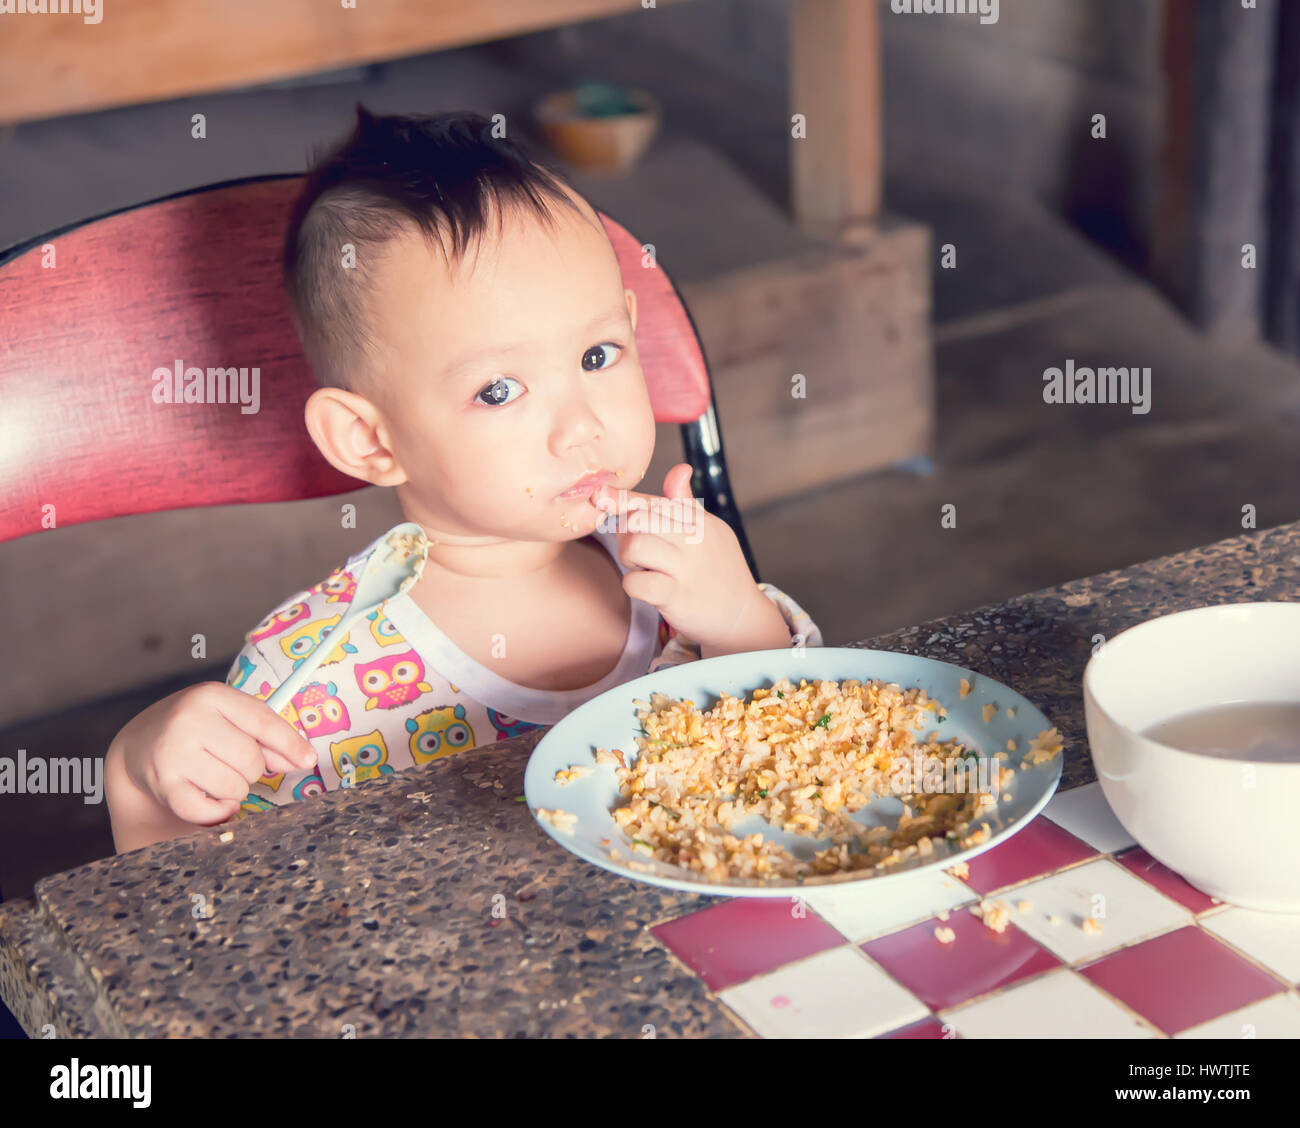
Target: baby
x,y
465,314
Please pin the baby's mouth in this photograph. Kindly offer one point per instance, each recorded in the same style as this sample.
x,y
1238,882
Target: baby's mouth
x,y
585,486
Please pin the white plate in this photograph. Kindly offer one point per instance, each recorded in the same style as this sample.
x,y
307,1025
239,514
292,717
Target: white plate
x,y
610,721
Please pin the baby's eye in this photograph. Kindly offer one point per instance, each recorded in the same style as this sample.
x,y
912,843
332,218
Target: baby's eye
x,y
597,351
496,392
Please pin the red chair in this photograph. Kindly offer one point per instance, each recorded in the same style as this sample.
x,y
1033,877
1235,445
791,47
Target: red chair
x,y
88,312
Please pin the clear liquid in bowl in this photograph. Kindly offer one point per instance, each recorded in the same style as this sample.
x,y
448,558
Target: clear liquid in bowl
x,y
1244,730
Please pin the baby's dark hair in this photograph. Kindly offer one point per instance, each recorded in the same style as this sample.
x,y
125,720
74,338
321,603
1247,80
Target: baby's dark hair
x,y
431,173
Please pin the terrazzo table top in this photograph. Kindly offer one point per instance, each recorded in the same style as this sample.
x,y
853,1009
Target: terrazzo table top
x,y
429,903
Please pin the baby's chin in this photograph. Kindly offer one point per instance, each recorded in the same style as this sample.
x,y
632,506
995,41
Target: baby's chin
x,y
577,516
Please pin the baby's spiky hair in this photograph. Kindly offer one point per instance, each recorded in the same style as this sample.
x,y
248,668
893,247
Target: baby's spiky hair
x,y
438,174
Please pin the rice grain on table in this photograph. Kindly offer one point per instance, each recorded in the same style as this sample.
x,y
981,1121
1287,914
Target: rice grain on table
x,y
804,758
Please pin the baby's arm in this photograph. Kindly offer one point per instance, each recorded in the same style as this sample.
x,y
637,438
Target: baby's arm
x,y
802,631
188,761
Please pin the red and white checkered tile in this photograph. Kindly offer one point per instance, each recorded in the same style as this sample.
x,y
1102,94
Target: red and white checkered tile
x,y
1157,958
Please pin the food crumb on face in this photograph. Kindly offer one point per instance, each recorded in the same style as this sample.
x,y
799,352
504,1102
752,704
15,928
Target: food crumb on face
x,y
1091,925
227,836
965,687
1024,906
989,712
945,935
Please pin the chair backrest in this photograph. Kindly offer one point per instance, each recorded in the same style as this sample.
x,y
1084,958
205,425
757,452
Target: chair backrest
x,y
89,313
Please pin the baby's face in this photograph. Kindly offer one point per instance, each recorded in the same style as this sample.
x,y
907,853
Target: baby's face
x,y
509,380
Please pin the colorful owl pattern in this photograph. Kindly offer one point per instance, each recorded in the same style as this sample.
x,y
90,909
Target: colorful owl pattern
x,y
373,706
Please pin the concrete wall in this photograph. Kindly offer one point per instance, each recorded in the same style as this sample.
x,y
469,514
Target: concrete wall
x,y
1008,107
1003,107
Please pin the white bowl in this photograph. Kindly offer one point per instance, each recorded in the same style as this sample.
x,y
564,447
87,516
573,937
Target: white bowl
x,y
1230,827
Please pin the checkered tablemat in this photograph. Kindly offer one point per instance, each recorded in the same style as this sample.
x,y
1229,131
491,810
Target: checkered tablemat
x,y
1102,941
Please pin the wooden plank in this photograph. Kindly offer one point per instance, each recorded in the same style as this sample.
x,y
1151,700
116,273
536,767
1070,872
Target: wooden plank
x,y
149,50
855,323
835,82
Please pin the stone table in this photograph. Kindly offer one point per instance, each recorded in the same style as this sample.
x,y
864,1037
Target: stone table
x,y
430,903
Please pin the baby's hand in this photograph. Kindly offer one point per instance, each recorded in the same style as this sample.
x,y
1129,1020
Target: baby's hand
x,y
689,564
197,752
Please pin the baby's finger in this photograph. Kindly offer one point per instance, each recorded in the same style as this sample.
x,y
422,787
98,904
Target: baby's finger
x,y
654,588
188,802
270,730
613,500
646,550
217,778
236,749
678,523
277,762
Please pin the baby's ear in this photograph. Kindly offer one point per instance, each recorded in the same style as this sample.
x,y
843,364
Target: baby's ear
x,y
347,430
631,306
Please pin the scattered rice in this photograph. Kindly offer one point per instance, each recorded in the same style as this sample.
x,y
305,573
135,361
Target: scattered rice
x,y
989,712
1053,919
961,870
945,935
1024,906
965,687
605,756
1091,924
404,546
995,915
804,758
574,771
1011,747
1043,747
563,821
1010,711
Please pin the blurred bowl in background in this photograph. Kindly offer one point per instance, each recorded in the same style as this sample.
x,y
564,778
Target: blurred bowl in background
x,y
597,127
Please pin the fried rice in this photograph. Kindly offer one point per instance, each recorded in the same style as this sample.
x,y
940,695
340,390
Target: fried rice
x,y
804,758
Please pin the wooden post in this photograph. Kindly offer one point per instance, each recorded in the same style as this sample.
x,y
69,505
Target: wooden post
x,y
835,87
1218,62
149,50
